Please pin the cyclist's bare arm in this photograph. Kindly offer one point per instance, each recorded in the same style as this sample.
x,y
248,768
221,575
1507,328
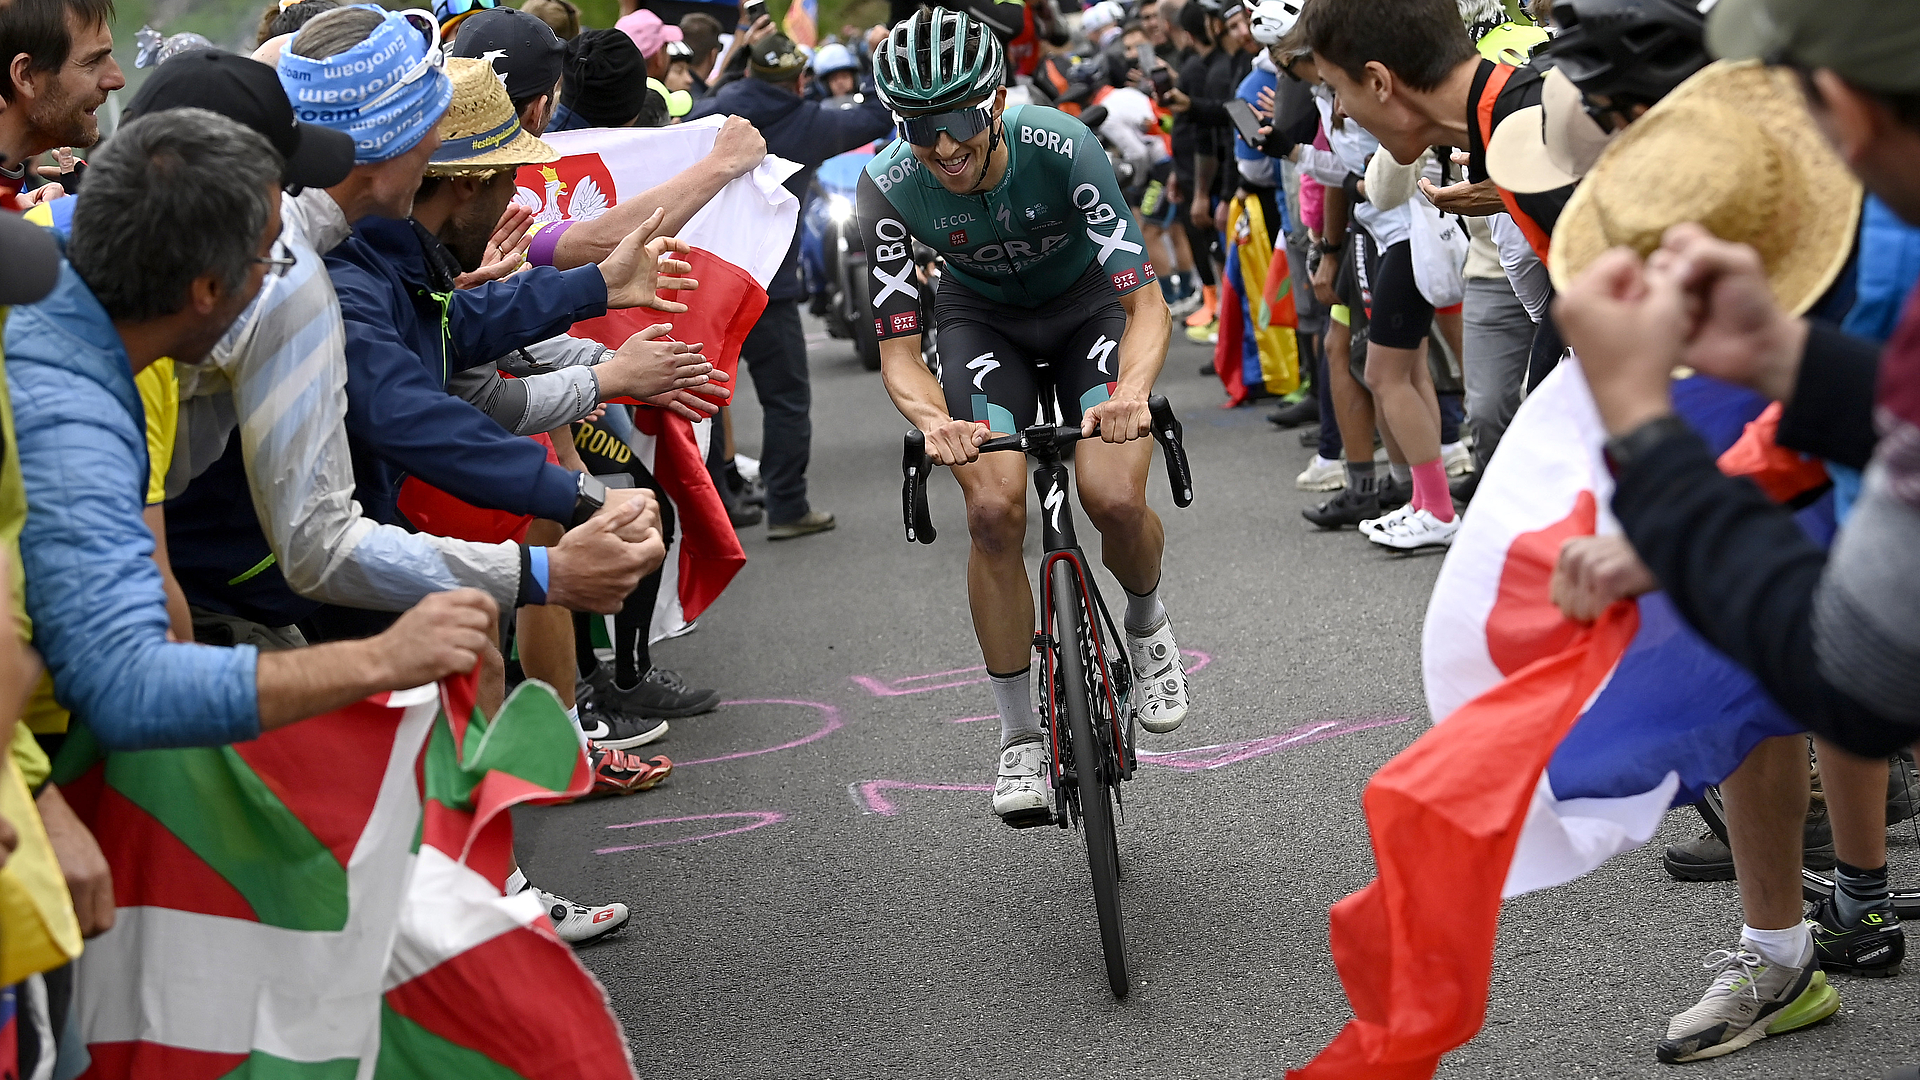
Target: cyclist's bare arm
x,y
917,394
1143,351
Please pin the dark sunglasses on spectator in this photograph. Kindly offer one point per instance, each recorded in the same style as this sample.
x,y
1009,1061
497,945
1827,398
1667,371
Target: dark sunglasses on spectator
x,y
962,124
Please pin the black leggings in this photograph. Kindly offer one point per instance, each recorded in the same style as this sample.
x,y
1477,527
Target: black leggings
x,y
632,653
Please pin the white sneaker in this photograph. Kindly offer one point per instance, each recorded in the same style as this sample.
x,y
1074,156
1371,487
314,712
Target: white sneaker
x,y
1021,794
578,924
1322,475
1185,306
1419,529
1457,458
1368,526
1159,679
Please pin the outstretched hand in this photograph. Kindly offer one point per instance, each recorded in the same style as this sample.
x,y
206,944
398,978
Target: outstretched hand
x,y
506,249
638,269
650,363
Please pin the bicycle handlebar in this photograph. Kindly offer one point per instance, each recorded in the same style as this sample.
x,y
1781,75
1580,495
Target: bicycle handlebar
x,y
916,464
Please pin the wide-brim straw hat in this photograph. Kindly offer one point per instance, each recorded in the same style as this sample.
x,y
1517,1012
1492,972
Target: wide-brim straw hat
x,y
480,132
1734,149
1547,146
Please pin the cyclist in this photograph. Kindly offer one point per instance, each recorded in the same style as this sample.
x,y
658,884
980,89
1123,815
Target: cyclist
x,y
1047,295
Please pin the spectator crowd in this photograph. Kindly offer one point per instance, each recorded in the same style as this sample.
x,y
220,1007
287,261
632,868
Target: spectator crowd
x,y
291,303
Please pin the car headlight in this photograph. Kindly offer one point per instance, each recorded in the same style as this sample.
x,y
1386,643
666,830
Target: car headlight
x,y
839,209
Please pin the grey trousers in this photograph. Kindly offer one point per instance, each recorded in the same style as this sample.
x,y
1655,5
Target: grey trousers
x,y
1498,339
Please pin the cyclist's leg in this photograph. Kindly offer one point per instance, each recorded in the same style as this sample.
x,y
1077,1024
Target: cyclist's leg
x,y
1112,482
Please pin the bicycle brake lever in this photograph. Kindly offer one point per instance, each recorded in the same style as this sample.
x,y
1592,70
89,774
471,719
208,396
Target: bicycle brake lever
x,y
1167,430
913,494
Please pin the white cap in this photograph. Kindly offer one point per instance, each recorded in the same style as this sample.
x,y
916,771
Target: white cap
x,y
1272,19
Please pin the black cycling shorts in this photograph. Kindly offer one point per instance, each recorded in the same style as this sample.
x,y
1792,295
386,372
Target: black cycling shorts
x,y
1400,317
999,364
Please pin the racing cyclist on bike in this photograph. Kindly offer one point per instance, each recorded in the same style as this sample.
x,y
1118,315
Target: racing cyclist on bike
x,y
1044,266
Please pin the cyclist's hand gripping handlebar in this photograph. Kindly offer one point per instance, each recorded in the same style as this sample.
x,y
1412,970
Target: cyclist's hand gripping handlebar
x,y
1168,431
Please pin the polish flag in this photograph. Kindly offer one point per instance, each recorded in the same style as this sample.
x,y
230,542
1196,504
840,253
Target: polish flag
x,y
1562,744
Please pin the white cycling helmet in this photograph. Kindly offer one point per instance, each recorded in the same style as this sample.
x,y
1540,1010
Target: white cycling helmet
x,y
1100,16
1272,19
833,57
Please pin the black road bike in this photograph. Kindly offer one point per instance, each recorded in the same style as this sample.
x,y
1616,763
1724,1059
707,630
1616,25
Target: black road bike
x,y
1086,696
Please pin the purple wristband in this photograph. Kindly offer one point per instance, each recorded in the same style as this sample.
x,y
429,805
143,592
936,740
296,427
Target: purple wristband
x,y
540,252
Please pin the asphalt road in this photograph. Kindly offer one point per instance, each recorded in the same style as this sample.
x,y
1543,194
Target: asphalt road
x,y
819,890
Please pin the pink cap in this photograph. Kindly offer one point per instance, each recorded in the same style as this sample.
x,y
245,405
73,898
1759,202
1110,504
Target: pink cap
x,y
647,31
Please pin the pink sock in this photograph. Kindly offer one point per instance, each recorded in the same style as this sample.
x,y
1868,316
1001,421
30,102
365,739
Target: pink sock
x,y
1430,492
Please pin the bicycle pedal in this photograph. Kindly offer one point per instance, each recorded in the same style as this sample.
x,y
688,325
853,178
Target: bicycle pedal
x,y
1029,819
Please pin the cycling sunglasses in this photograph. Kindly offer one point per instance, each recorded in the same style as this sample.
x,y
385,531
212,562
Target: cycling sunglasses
x,y
962,124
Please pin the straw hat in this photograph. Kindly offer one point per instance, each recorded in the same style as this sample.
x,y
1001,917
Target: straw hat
x,y
480,132
1733,149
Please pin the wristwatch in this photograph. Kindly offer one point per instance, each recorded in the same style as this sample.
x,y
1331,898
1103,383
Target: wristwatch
x,y
590,496
1625,449
1327,248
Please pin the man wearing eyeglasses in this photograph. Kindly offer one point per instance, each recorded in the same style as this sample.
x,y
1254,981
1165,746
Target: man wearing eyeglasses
x,y
1045,266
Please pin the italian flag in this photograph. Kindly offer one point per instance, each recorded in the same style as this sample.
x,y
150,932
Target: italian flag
x,y
325,901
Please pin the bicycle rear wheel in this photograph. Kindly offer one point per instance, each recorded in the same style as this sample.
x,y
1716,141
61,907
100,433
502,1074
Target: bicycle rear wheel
x,y
1090,767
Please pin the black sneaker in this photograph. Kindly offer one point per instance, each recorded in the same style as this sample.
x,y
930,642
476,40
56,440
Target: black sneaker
x,y
1903,788
1304,411
1346,508
1707,857
607,724
1463,488
660,694
1871,948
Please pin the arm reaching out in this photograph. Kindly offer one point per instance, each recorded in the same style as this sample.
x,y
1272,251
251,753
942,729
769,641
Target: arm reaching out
x,y
737,150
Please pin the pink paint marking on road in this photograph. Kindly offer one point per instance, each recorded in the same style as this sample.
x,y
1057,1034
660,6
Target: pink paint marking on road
x,y
867,796
1231,753
973,719
921,684
760,820
828,726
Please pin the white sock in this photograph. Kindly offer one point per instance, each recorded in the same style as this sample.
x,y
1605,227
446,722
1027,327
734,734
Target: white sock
x,y
1143,612
516,882
1013,696
1787,948
579,732
1401,472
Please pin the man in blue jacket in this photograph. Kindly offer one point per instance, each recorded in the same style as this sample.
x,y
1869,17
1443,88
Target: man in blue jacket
x,y
807,132
175,232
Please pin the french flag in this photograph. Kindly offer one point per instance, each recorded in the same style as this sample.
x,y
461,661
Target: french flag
x,y
1558,746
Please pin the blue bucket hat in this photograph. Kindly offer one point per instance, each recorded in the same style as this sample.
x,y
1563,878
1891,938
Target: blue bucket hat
x,y
386,93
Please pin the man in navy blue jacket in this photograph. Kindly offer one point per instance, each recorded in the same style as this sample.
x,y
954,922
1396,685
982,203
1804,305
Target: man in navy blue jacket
x,y
807,132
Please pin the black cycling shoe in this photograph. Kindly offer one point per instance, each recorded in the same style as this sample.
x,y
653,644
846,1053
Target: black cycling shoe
x,y
1872,948
1304,411
660,695
1347,508
1394,495
1903,788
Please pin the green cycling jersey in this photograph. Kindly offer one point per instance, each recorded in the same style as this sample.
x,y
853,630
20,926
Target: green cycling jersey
x,y
1055,213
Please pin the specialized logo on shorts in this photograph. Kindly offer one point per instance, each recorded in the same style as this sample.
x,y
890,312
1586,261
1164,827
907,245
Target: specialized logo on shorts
x,y
1101,352
982,366
905,322
957,238
1049,139
1126,279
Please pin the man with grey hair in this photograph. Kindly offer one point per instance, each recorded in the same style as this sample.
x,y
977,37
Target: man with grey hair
x,y
176,230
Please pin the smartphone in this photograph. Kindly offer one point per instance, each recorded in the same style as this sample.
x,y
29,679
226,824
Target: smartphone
x,y
1247,124
754,10
1157,72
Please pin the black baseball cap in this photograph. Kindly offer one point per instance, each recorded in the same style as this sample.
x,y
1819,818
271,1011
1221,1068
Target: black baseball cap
x,y
524,51
250,93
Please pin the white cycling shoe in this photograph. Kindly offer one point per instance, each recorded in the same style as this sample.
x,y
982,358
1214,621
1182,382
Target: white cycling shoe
x,y
1411,532
1021,795
1159,678
1371,525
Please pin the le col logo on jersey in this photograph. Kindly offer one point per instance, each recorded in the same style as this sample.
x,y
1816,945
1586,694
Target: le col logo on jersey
x,y
1049,139
906,322
898,172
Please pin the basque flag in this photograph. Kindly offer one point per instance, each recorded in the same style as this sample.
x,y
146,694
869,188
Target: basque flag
x,y
1561,745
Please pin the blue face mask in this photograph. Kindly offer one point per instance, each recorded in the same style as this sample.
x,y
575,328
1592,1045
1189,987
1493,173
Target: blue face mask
x,y
386,92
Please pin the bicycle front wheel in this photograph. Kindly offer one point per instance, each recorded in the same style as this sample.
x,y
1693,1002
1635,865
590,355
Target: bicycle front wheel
x,y
1090,766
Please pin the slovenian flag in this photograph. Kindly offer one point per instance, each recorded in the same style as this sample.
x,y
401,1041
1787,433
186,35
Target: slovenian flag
x,y
326,901
1560,745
